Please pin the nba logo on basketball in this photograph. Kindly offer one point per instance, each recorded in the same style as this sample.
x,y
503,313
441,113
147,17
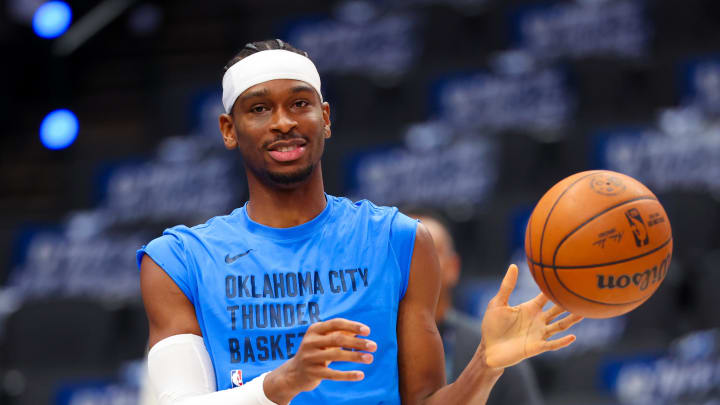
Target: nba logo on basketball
x,y
236,378
638,227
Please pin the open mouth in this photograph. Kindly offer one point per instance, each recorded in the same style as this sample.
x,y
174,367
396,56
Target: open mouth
x,y
287,151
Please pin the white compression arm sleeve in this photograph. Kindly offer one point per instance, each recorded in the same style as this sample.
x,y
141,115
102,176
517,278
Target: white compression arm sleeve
x,y
181,373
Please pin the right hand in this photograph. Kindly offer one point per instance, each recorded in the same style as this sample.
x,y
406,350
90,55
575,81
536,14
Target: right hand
x,y
323,343
512,334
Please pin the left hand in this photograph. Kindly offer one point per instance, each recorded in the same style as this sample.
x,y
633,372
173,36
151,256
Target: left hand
x,y
512,334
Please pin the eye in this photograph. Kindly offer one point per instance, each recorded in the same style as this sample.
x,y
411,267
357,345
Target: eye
x,y
301,103
257,109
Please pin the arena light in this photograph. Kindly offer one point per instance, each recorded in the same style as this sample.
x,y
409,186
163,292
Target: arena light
x,y
59,129
52,19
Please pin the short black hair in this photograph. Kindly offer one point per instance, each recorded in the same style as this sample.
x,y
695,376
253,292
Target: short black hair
x,y
266,45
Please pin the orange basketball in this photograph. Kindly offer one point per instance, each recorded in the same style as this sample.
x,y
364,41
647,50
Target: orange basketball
x,y
598,243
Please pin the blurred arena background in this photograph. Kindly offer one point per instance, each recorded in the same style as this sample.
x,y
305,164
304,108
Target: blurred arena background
x,y
472,107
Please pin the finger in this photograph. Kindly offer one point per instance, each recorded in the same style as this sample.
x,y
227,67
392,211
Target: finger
x,y
558,344
566,323
329,374
506,288
553,313
339,324
337,354
345,341
540,300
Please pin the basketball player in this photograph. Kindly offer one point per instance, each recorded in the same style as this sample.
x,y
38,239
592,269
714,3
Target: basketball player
x,y
460,333
302,296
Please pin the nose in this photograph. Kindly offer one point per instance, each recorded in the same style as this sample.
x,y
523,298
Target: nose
x,y
282,122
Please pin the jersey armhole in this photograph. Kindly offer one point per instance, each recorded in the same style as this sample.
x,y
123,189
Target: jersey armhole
x,y
158,250
402,241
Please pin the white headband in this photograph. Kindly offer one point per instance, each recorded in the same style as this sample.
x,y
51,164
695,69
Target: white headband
x,y
264,66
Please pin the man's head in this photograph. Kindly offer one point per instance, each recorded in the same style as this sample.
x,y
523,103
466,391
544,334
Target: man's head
x,y
447,256
275,115
444,246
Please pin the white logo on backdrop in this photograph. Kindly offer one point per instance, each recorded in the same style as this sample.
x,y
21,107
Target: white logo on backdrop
x,y
665,162
386,46
460,174
705,86
187,182
93,257
673,379
613,28
535,102
100,267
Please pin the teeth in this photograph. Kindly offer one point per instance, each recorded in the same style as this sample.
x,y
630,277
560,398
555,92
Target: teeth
x,y
287,148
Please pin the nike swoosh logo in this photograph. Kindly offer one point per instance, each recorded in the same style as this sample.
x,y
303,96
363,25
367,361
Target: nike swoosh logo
x,y
230,260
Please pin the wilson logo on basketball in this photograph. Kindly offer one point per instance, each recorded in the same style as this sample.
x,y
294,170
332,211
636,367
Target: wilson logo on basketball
x,y
638,227
641,280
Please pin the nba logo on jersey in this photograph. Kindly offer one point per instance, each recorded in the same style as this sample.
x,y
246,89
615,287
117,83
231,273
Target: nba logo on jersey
x,y
236,378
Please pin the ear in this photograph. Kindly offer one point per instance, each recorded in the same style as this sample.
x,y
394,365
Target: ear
x,y
326,118
227,129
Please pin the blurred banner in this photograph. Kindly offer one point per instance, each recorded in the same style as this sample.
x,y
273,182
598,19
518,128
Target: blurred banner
x,y
60,266
191,179
468,6
459,174
358,41
533,101
701,84
664,161
187,180
689,374
583,29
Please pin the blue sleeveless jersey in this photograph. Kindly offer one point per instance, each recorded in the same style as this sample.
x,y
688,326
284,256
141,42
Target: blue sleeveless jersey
x,y
256,290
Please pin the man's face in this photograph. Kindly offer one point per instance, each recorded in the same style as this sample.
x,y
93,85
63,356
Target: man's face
x,y
279,127
449,260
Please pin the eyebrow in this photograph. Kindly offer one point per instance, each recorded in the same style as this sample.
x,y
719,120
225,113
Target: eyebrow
x,y
254,94
300,88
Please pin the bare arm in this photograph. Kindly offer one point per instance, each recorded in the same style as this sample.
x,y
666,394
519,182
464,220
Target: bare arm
x,y
509,335
420,353
421,358
168,310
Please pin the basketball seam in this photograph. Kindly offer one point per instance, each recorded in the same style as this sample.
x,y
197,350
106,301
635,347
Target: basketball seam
x,y
609,303
613,304
542,234
529,239
557,248
585,266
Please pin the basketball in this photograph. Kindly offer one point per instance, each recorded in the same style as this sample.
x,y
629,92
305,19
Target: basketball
x,y
598,244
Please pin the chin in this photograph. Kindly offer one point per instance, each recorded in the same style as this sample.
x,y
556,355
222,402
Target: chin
x,y
292,178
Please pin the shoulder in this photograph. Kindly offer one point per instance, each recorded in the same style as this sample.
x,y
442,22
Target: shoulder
x,y
210,227
179,241
218,222
362,207
370,211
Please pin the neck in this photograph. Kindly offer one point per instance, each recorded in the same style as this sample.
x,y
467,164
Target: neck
x,y
443,304
284,208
